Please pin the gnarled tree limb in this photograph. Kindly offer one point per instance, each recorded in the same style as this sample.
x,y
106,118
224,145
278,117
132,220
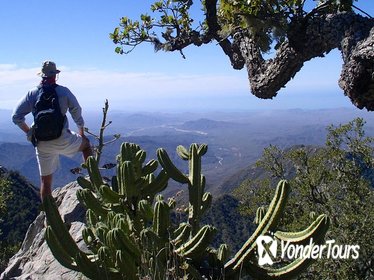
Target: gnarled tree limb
x,y
348,32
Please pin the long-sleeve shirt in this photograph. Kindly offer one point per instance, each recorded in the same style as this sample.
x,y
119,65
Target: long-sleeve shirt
x,y
66,99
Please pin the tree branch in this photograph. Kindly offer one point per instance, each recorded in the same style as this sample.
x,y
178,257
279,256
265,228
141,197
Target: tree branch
x,y
319,36
231,50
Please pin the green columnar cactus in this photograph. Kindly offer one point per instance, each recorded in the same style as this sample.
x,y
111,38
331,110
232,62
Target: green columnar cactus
x,y
130,233
116,215
199,200
66,251
243,259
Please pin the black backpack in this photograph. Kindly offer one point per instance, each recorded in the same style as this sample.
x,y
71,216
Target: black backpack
x,y
48,119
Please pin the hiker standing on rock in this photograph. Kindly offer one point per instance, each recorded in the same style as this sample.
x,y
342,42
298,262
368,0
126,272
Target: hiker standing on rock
x,y
50,133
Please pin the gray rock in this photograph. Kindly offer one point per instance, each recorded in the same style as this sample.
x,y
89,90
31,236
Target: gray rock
x,y
34,260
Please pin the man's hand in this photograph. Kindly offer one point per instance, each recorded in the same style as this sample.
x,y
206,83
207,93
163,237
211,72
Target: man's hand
x,y
29,134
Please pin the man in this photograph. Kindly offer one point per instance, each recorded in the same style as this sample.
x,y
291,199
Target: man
x,y
69,143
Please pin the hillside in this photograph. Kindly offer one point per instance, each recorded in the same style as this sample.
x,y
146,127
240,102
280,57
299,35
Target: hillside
x,y
22,207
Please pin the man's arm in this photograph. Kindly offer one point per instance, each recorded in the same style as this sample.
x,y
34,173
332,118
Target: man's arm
x,y
23,108
76,112
24,127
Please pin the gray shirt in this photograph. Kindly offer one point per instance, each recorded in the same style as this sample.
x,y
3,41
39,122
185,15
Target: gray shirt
x,y
66,99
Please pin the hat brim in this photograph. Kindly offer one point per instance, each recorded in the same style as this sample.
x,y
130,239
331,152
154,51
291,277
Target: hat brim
x,y
50,74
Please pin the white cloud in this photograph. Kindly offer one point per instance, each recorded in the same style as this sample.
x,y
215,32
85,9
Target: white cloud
x,y
92,86
158,91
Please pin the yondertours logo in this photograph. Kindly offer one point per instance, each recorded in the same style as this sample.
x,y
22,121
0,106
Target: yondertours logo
x,y
266,249
269,249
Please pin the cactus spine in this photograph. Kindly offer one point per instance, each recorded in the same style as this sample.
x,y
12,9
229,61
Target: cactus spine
x,y
131,235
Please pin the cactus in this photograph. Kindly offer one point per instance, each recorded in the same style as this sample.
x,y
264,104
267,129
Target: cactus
x,y
243,258
130,233
199,200
260,213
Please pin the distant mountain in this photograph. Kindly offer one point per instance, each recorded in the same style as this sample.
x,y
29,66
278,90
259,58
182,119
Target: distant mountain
x,y
21,157
235,140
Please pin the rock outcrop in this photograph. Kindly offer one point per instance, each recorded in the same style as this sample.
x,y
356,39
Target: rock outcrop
x,y
34,260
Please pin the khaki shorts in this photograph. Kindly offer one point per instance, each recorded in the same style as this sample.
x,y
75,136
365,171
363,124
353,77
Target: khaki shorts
x,y
48,152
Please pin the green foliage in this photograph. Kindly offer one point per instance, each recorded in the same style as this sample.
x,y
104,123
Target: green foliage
x,y
5,194
337,179
19,206
170,22
234,229
131,235
173,18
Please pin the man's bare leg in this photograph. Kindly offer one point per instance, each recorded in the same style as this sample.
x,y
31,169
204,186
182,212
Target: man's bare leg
x,y
45,186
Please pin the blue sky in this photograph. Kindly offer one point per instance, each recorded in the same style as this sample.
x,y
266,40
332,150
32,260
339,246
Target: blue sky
x,y
75,34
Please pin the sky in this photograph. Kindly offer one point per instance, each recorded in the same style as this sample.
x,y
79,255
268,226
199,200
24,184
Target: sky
x,y
75,35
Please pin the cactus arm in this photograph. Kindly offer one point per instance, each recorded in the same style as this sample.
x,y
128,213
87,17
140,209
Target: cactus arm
x,y
87,267
156,186
202,150
129,180
183,153
115,184
182,234
260,213
58,251
170,168
120,179
145,210
93,171
151,240
101,232
268,222
84,183
58,226
117,239
89,237
315,231
140,156
195,188
161,219
284,273
297,266
195,169
206,202
198,243
126,264
91,202
223,253
91,218
150,167
105,256
109,195
61,243
128,151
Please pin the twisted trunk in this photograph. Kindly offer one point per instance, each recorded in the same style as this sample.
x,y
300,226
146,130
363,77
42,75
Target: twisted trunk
x,y
352,34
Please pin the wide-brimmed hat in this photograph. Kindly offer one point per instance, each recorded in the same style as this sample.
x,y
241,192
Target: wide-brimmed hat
x,y
48,69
